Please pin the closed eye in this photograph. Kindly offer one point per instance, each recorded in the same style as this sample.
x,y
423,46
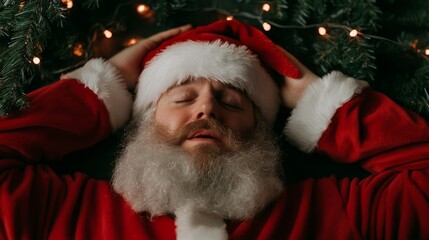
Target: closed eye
x,y
183,101
233,106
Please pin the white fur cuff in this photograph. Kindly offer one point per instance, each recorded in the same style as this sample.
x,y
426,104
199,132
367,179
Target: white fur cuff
x,y
314,111
194,225
105,81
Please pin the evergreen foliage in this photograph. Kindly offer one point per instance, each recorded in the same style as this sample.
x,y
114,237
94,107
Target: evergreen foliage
x,y
388,50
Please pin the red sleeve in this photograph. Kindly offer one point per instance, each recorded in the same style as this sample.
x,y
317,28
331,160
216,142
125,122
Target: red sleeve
x,y
367,128
393,144
377,133
68,115
37,202
62,118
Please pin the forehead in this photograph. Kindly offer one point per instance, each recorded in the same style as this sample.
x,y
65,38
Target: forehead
x,y
199,82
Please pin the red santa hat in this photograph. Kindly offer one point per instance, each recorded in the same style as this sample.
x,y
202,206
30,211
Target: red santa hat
x,y
230,52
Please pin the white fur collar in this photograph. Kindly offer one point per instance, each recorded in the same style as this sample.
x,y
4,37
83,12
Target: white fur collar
x,y
193,224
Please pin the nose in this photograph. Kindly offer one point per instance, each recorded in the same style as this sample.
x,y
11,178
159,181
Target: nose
x,y
208,107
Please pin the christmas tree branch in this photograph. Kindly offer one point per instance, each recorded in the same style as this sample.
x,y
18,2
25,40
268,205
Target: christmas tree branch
x,y
27,31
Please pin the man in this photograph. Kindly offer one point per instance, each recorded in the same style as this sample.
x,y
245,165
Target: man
x,y
201,162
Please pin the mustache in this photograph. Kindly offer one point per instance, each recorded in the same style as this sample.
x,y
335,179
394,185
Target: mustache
x,y
229,136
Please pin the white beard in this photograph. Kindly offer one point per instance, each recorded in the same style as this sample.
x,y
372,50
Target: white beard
x,y
159,178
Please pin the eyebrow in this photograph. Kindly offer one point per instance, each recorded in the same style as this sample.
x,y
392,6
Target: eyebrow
x,y
189,80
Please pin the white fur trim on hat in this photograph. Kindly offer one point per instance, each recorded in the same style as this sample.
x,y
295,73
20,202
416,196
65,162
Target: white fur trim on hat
x,y
104,80
218,61
194,225
318,105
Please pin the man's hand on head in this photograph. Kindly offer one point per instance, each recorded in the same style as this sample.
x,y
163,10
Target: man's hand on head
x,y
293,89
128,61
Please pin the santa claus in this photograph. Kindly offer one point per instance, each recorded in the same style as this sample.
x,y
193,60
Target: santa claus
x,y
202,148
201,160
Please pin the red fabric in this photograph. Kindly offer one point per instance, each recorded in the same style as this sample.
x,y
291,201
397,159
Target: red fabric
x,y
38,203
235,32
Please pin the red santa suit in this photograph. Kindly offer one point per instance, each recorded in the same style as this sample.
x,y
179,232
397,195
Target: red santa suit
x,y
338,116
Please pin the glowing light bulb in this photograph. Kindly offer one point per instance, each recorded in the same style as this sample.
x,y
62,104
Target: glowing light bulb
x,y
322,31
229,18
78,50
107,33
36,60
427,51
142,8
266,7
68,3
266,26
353,33
132,41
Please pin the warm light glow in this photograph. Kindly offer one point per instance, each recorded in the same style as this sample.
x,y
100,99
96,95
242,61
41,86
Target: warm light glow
x,y
266,7
266,26
107,33
36,60
414,43
21,5
132,41
353,33
229,18
322,31
69,3
142,8
78,50
427,51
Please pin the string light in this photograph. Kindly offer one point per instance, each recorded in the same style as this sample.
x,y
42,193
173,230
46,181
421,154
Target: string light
x,y
322,31
142,9
266,7
21,5
36,60
132,41
427,51
68,3
78,50
353,33
229,18
107,33
414,43
266,26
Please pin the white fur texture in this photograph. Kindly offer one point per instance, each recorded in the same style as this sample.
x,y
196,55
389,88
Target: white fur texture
x,y
194,225
223,62
314,111
105,81
159,178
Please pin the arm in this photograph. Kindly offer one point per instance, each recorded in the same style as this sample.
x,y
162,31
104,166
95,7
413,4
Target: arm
x,y
62,117
67,116
342,118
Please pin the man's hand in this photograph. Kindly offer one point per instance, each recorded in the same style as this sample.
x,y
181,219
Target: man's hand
x,y
128,61
293,89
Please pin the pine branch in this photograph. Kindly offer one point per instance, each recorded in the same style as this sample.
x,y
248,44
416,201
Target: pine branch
x,y
338,51
28,32
165,8
6,18
385,52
